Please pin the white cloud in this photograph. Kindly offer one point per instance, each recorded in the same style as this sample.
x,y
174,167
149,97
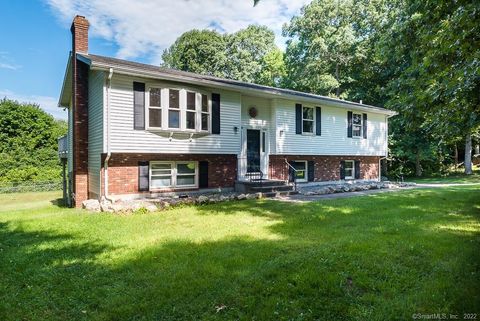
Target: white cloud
x,y
6,61
47,103
147,27
4,65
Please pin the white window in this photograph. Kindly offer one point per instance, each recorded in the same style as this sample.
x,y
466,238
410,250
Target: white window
x,y
301,170
171,109
307,120
205,114
155,110
357,125
349,169
173,175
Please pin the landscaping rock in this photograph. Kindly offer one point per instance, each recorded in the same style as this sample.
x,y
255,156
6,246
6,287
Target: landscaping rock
x,y
241,197
251,196
202,199
91,205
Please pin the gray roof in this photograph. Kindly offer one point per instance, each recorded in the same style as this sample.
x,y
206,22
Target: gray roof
x,y
151,71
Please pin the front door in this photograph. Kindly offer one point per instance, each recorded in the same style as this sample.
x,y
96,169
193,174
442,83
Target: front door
x,y
253,150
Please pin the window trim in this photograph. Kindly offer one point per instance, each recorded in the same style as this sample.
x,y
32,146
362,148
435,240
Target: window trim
x,y
174,175
353,169
312,133
165,107
353,125
302,180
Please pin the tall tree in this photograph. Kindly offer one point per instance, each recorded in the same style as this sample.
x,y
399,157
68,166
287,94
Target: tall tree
x,y
248,55
330,44
198,51
436,48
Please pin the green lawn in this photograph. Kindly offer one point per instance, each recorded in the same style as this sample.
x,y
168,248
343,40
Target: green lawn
x,y
452,178
377,257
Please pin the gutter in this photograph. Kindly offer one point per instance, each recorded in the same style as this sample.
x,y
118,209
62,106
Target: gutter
x,y
107,134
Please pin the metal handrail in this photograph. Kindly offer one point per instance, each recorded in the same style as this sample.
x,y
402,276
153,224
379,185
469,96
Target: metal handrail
x,y
294,174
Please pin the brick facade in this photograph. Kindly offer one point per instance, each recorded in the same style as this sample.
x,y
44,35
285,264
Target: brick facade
x,y
80,73
123,170
326,168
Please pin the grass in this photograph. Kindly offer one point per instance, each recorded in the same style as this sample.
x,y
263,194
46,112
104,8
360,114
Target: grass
x,y
378,257
454,177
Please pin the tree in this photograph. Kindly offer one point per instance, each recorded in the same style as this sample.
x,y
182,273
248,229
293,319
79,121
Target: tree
x,y
28,142
330,45
198,51
247,55
436,48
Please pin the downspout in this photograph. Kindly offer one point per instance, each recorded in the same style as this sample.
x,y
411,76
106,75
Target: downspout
x,y
107,134
386,152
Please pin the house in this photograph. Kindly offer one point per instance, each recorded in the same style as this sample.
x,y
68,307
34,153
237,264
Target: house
x,y
135,130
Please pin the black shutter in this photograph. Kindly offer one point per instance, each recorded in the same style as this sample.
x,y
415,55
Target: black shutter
x,y
138,105
311,171
364,125
342,170
215,113
349,128
143,180
203,174
357,169
298,118
318,121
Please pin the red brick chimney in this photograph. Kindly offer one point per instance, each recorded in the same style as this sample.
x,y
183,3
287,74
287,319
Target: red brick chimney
x,y
79,31
79,107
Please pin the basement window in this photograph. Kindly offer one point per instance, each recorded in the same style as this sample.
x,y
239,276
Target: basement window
x,y
349,169
166,175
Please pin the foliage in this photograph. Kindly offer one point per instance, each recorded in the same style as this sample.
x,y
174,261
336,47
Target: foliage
x,y
198,51
330,47
344,259
28,143
248,55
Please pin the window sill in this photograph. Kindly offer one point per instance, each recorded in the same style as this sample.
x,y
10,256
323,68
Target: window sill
x,y
171,188
308,134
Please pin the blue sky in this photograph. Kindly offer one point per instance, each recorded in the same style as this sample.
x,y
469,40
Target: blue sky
x,y
35,37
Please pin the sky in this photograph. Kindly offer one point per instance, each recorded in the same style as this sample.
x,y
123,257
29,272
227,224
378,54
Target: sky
x,y
35,35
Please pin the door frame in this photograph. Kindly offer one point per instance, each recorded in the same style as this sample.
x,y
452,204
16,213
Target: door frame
x,y
264,154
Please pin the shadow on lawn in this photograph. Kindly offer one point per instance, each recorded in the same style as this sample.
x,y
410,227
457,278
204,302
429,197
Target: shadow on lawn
x,y
336,262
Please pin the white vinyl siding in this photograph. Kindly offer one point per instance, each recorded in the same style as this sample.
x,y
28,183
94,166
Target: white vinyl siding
x,y
95,130
333,140
125,139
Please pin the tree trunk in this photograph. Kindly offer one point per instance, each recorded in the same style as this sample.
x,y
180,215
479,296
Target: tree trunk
x,y
477,149
468,155
456,155
418,167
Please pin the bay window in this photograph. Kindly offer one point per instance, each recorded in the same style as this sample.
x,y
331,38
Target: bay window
x,y
205,114
173,174
155,110
171,109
